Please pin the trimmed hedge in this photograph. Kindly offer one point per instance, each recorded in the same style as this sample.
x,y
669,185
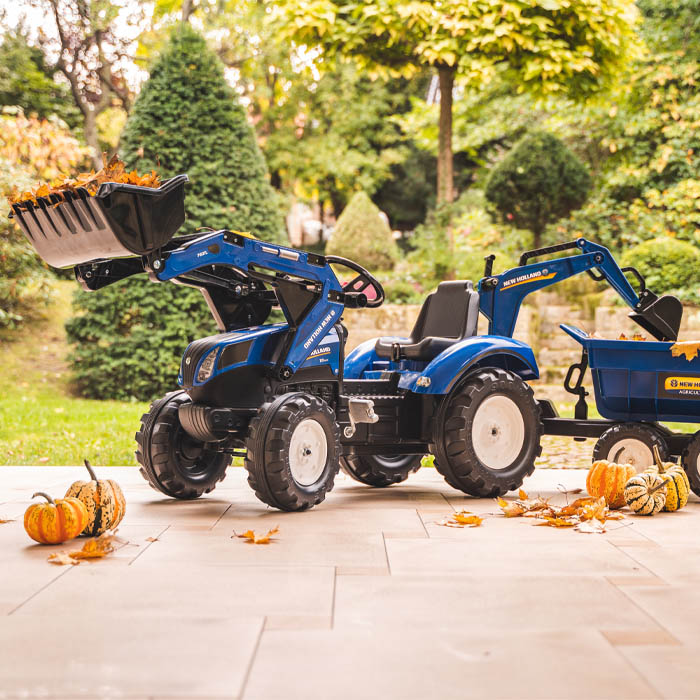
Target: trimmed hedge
x,y
362,235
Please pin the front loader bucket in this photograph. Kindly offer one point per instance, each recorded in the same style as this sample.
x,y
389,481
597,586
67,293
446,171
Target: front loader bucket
x,y
661,317
120,220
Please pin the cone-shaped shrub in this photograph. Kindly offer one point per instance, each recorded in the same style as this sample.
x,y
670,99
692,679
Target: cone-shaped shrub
x,y
363,235
129,337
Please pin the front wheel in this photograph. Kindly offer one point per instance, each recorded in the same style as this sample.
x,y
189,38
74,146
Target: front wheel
x,y
293,447
487,434
380,470
172,461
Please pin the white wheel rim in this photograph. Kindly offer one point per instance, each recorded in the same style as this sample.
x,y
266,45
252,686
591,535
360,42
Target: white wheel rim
x,y
498,432
308,451
631,451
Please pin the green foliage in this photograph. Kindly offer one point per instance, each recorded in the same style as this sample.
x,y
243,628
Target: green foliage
x,y
577,46
128,338
362,235
539,181
188,120
27,82
24,281
474,236
667,264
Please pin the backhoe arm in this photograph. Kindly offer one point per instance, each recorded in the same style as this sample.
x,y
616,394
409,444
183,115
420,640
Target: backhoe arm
x,y
501,295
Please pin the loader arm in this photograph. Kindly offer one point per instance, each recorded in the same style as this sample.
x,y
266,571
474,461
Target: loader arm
x,y
501,295
233,272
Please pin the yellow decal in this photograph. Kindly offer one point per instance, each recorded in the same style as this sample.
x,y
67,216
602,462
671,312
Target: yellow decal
x,y
682,384
533,277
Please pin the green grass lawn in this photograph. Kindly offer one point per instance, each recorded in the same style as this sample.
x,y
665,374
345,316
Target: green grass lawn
x,y
41,422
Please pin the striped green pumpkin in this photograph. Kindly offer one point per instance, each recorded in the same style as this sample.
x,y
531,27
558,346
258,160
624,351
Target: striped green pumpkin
x,y
645,493
103,499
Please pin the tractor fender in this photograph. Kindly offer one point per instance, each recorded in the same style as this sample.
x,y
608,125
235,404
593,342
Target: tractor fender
x,y
442,373
360,359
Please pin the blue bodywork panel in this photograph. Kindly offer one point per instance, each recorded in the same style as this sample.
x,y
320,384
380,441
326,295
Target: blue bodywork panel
x,y
440,375
640,380
248,253
260,337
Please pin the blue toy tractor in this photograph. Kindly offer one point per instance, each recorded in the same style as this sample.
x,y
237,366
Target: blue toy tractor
x,y
287,398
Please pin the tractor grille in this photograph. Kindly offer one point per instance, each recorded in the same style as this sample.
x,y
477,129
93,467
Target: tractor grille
x,y
194,353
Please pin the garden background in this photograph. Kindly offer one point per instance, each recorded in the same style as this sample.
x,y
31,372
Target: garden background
x,y
414,137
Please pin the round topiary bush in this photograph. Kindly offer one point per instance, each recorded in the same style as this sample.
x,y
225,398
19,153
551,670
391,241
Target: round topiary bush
x,y
538,182
667,264
361,234
129,337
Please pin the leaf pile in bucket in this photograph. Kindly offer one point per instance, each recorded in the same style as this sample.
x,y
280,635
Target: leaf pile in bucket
x,y
587,514
113,170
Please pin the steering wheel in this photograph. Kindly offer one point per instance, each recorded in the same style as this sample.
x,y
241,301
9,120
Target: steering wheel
x,y
357,285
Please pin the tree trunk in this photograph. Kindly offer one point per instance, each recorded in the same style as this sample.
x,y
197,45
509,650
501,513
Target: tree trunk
x,y
445,190
91,137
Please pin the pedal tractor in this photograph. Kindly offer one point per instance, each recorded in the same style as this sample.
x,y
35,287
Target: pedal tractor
x,y
287,398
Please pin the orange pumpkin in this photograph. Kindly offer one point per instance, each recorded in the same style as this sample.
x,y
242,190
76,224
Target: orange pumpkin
x,y
607,480
55,521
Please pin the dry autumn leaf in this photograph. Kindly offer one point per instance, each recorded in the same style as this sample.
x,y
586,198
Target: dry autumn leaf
x,y
2,521
689,348
113,170
556,522
512,509
462,519
152,539
96,548
62,559
252,538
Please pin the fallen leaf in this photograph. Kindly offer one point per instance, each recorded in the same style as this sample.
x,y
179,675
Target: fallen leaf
x,y
96,548
510,510
591,527
252,538
689,348
466,518
522,495
62,558
152,539
557,522
2,521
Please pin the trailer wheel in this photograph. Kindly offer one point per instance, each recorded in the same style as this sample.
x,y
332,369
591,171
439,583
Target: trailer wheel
x,y
690,459
487,434
172,461
293,447
630,443
380,470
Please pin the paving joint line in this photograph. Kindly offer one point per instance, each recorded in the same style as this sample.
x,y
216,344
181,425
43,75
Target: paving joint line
x,y
422,522
141,551
335,585
36,593
386,554
230,505
249,670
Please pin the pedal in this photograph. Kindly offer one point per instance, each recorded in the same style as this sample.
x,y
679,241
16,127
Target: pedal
x,y
359,411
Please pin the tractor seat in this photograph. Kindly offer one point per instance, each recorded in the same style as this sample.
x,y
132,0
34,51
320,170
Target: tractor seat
x,y
448,315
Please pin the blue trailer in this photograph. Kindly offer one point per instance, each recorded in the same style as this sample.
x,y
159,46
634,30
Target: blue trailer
x,y
288,399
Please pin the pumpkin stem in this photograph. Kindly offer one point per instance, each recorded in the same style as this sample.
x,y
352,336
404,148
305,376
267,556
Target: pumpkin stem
x,y
46,496
659,486
90,470
657,457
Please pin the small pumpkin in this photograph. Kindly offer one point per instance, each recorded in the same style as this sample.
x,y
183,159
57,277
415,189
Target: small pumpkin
x,y
607,480
103,499
56,521
677,484
645,493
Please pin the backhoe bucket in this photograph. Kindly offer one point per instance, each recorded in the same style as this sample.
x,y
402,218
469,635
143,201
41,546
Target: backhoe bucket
x,y
119,221
661,317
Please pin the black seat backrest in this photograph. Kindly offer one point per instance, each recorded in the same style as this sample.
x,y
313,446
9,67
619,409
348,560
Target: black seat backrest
x,y
452,311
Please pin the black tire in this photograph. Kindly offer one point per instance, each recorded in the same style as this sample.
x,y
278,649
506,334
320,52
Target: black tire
x,y
380,470
629,443
172,461
454,444
690,459
273,461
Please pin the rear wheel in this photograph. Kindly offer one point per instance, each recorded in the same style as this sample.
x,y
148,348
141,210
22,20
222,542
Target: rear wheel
x,y
691,463
380,470
630,443
293,447
487,434
172,461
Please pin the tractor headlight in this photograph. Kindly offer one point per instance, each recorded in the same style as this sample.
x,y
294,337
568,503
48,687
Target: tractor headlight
x,y
207,367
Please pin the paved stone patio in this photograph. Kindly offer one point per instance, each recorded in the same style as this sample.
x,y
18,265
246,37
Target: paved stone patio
x,y
362,597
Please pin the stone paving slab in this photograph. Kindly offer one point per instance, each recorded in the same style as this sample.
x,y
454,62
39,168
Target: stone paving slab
x,y
364,596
